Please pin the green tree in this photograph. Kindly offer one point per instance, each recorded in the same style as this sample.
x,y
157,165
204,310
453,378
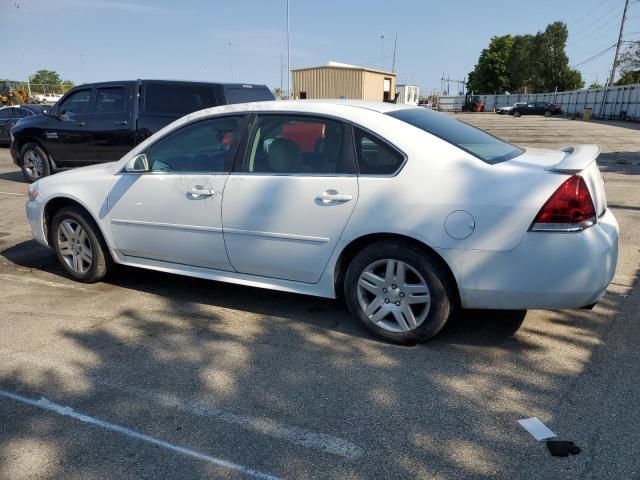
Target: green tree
x,y
45,77
491,74
531,63
523,69
67,85
595,85
630,65
554,63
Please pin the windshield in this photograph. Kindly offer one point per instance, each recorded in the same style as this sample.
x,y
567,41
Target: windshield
x,y
477,142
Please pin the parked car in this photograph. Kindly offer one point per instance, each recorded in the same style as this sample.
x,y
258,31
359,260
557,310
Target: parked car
x,y
406,212
100,122
536,108
10,115
508,110
49,98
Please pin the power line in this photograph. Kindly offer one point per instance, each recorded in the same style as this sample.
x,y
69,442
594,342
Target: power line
x,y
576,38
594,56
590,12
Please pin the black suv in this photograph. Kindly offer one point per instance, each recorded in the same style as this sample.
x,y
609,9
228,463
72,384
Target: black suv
x,y
100,122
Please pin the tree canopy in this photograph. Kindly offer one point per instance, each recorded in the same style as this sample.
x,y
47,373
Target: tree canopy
x,y
630,65
531,63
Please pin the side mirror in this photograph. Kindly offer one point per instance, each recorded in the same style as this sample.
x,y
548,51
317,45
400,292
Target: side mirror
x,y
137,164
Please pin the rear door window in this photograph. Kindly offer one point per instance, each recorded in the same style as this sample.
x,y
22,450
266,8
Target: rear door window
x,y
298,145
5,113
177,99
111,100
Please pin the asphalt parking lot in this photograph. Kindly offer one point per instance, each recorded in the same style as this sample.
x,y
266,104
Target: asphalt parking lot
x,y
150,375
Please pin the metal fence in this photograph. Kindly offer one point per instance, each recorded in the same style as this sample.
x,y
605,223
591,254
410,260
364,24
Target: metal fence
x,y
607,103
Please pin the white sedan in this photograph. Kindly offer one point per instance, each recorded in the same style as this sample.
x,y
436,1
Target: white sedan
x,y
407,213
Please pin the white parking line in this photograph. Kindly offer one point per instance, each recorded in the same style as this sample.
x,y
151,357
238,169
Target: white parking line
x,y
10,193
45,404
265,426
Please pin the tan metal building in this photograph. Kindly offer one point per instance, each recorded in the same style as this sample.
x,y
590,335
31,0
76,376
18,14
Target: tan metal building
x,y
339,80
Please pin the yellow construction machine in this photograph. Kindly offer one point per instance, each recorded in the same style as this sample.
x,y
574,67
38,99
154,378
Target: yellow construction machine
x,y
11,93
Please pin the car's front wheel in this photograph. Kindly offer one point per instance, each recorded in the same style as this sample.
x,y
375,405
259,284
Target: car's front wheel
x,y
79,245
34,162
517,114
398,292
547,113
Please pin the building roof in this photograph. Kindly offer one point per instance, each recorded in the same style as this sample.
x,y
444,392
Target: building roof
x,y
344,66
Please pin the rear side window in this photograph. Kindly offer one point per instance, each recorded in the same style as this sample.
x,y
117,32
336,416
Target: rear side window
x,y
177,100
244,95
5,113
477,142
199,147
110,100
374,156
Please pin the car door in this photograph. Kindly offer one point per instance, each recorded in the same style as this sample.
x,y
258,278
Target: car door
x,y
172,212
111,126
287,203
5,115
69,138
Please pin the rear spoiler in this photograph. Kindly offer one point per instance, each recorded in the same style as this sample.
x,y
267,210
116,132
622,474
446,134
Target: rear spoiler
x,y
577,158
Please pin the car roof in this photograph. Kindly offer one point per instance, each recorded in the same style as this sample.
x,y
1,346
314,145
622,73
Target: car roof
x,y
170,81
311,106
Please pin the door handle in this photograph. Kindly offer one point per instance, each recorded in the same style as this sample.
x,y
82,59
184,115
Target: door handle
x,y
121,122
80,124
197,192
332,196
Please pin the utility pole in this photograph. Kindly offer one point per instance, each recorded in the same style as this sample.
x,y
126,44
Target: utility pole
x,y
288,56
84,74
24,57
395,46
281,67
231,59
615,58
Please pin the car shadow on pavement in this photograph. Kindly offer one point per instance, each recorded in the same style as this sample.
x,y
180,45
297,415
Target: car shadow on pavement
x,y
139,349
16,176
465,327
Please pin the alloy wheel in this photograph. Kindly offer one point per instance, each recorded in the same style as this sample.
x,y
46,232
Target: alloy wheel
x,y
393,295
33,164
74,246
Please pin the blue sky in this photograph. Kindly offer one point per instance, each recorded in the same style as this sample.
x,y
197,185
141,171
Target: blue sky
x,y
188,39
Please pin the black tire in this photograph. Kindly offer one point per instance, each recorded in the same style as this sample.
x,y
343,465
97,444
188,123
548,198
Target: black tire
x,y
28,153
433,273
517,114
547,113
101,262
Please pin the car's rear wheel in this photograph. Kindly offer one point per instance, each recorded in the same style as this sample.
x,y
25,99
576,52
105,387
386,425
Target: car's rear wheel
x,y
34,162
516,114
547,113
398,292
79,245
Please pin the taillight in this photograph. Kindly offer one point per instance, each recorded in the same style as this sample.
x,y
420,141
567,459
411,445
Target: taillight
x,y
570,209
